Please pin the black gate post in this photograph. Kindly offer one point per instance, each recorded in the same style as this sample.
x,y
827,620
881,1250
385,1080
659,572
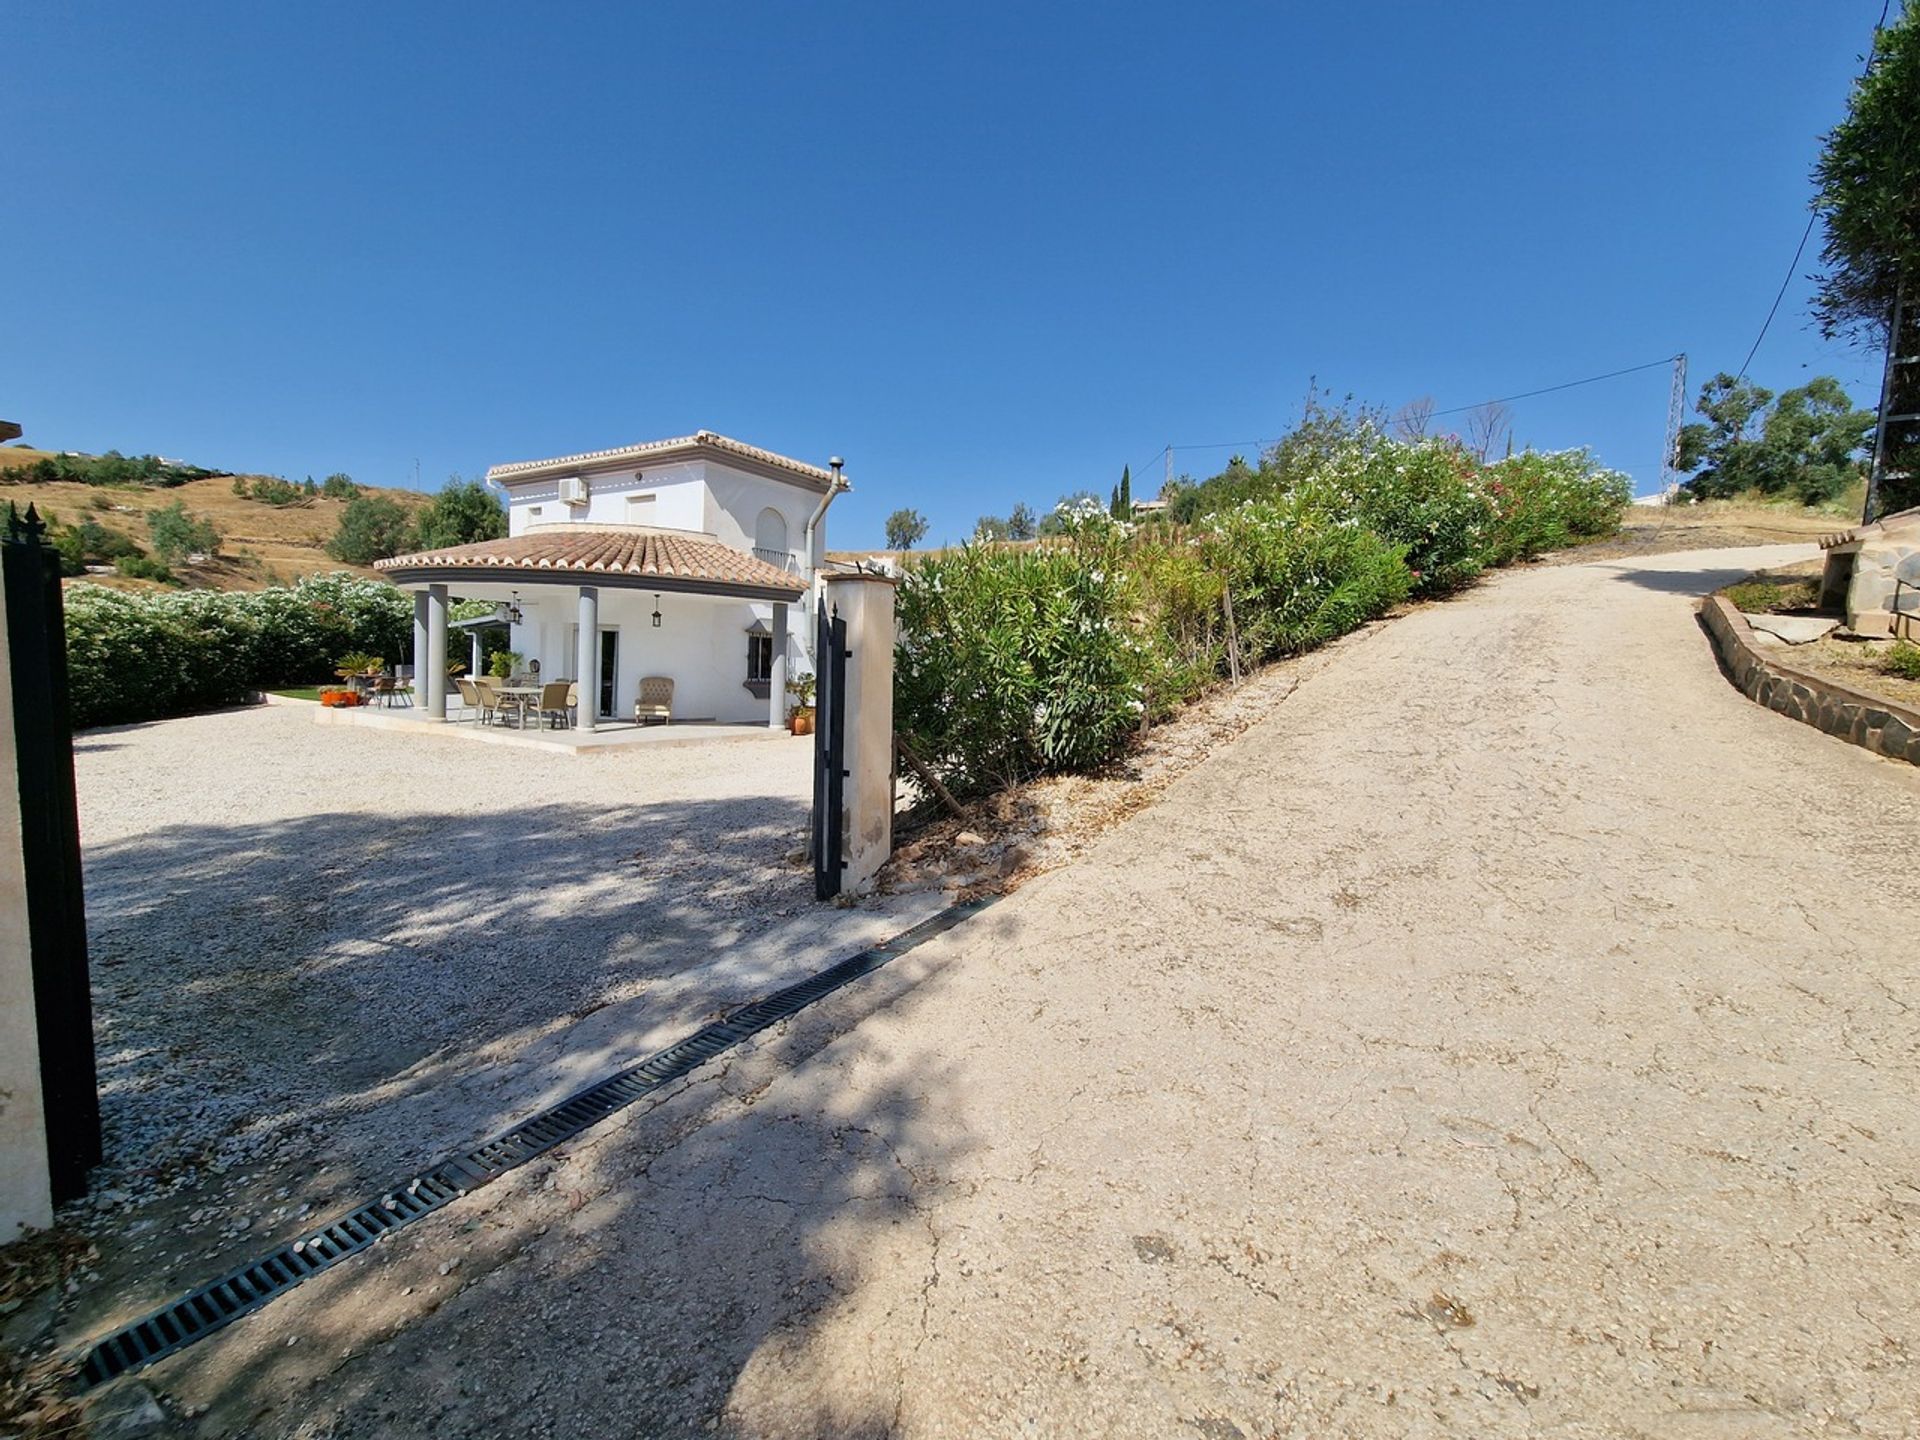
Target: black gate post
x,y
829,753
50,845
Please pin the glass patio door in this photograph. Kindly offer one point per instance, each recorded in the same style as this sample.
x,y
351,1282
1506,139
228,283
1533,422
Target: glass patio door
x,y
609,666
609,670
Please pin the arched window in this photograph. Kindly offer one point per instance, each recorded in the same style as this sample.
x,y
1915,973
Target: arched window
x,y
770,537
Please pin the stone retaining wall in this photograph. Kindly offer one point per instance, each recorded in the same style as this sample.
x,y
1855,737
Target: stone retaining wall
x,y
1883,726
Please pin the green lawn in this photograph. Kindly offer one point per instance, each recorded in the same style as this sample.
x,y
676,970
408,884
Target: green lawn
x,y
303,692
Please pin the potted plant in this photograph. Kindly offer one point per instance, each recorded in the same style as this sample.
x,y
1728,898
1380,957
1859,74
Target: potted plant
x,y
800,713
357,667
504,665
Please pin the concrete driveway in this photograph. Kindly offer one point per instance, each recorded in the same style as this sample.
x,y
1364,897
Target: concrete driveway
x,y
1514,1034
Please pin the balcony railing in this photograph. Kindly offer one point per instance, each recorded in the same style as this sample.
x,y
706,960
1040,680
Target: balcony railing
x,y
779,559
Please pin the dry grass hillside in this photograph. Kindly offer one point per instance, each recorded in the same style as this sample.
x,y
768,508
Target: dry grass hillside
x,y
260,544
1719,525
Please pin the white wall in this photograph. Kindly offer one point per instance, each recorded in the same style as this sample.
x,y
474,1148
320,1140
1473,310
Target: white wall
x,y
701,645
696,495
735,500
678,499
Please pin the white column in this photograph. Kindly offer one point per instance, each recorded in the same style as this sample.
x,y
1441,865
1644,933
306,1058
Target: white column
x,y
419,647
777,673
26,1195
435,664
865,602
589,659
473,666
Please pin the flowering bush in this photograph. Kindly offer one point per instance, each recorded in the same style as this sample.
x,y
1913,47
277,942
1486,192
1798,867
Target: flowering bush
x,y
341,699
1424,497
1301,573
142,657
1012,663
1180,614
1545,500
1018,662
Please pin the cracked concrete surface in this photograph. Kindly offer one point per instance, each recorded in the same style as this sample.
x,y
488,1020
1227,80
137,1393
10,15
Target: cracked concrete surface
x,y
1513,1034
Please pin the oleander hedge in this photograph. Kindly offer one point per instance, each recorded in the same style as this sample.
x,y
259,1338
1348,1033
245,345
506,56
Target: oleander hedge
x,y
145,656
1022,660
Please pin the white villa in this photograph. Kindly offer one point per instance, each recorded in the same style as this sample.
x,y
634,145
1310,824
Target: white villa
x,y
675,558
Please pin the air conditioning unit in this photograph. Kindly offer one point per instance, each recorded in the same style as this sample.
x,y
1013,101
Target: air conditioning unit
x,y
573,491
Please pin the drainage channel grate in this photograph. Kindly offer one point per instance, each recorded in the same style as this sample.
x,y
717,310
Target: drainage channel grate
x,y
245,1290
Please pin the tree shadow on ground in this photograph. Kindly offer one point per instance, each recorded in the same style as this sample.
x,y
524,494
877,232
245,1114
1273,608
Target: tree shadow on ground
x,y
753,1257
1695,580
292,1011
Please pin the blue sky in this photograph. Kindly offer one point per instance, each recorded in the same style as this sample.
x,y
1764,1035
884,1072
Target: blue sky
x,y
988,253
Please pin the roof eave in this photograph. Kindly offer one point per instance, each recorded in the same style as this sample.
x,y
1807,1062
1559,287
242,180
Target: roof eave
x,y
406,570
793,472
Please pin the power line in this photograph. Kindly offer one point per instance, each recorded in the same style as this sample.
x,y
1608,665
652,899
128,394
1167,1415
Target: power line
x,y
1873,53
1549,389
1456,410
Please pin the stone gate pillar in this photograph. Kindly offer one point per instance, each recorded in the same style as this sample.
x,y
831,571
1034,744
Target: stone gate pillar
x,y
865,601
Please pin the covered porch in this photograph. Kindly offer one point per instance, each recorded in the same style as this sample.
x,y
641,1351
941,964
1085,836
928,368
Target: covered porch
x,y
608,608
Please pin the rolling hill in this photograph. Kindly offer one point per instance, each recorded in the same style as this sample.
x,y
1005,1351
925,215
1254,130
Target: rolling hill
x,y
261,544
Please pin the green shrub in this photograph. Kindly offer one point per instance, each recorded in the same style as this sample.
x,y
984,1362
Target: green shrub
x,y
1301,573
1016,663
1424,497
339,487
372,527
138,657
176,534
1902,659
270,490
1013,663
141,567
112,468
464,511
1547,500
1180,600
1766,597
89,543
142,657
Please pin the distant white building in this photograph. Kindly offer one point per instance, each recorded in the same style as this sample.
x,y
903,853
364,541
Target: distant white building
x,y
678,558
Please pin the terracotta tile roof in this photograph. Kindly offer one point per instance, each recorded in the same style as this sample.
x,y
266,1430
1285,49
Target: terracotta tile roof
x,y
818,478
678,560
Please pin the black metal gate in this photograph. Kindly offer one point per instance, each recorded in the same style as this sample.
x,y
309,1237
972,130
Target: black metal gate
x,y
829,753
50,845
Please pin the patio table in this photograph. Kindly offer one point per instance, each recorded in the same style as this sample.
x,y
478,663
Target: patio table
x,y
527,694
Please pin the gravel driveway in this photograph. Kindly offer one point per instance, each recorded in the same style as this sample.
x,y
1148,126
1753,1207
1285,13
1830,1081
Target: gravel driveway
x,y
324,954
1514,1034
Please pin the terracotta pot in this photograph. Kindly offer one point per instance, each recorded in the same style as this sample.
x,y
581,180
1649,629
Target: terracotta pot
x,y
801,722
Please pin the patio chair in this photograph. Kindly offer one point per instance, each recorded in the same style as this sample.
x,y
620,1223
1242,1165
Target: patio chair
x,y
573,703
492,702
470,699
654,706
553,703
